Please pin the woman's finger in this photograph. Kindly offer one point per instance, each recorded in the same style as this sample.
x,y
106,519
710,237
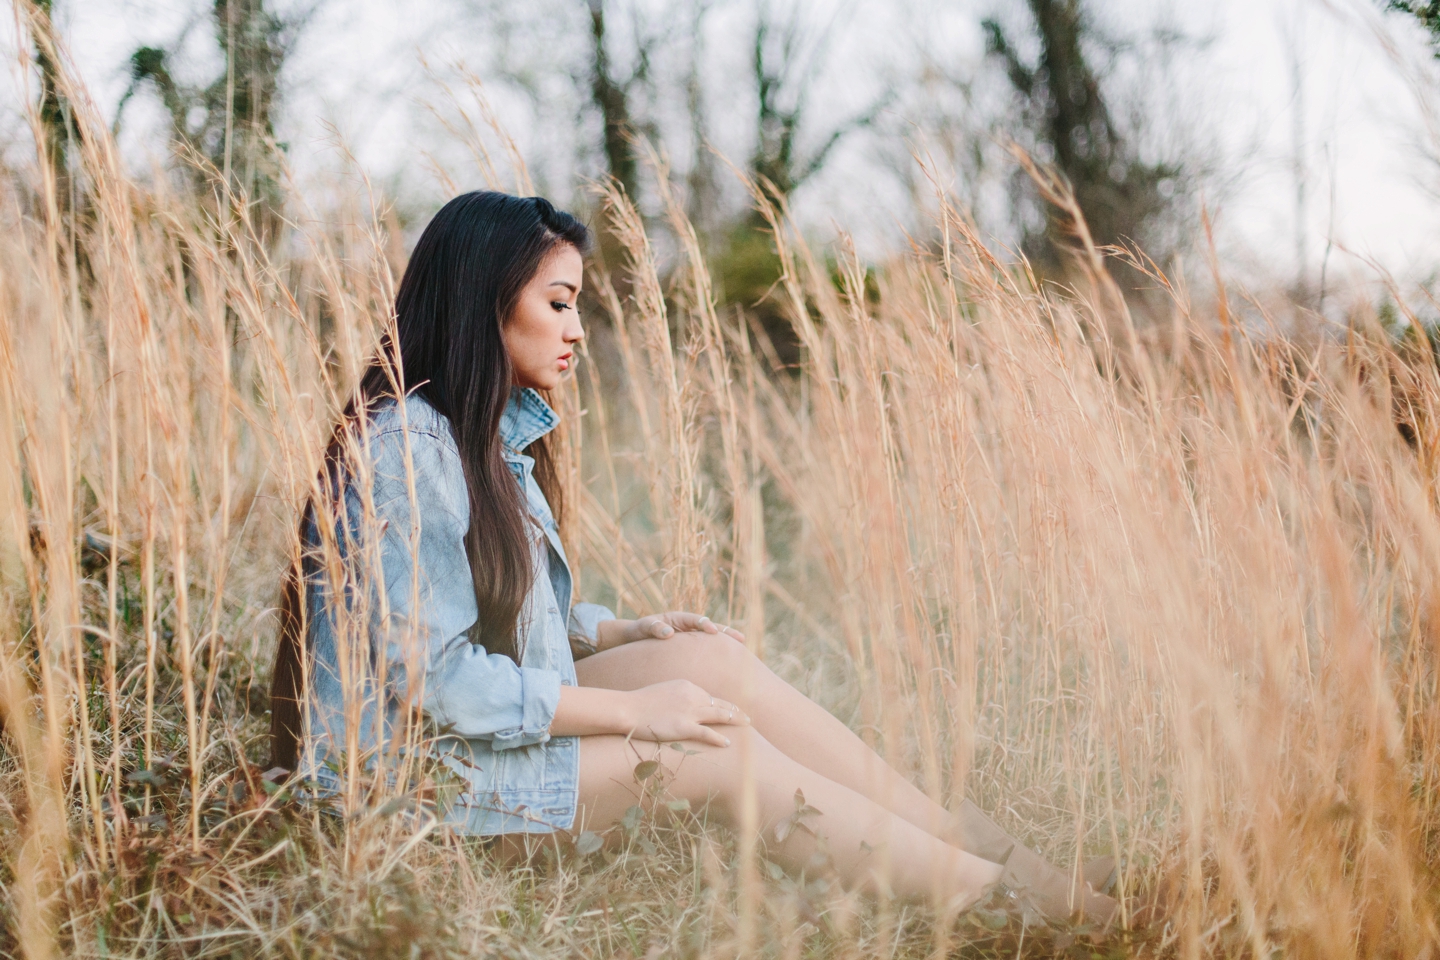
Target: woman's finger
x,y
653,628
709,735
683,620
726,712
707,625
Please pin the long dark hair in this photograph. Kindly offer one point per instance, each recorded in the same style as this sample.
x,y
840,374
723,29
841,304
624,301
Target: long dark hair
x,y
463,280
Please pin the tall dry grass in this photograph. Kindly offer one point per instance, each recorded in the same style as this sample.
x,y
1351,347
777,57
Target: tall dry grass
x,y
1167,591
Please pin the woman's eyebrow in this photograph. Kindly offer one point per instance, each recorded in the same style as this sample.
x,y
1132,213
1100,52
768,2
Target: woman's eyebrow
x,y
561,283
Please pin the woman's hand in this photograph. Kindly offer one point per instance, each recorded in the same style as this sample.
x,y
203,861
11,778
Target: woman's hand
x,y
680,710
659,626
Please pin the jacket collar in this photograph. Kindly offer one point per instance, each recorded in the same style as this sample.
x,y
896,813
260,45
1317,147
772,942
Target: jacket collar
x,y
526,419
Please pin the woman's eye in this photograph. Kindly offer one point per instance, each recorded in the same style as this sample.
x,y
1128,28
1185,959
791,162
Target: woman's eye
x,y
558,305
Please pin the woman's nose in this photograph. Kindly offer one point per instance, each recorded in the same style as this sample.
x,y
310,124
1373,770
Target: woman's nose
x,y
574,332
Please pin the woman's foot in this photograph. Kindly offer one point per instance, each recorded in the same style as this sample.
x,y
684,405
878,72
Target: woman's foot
x,y
1101,873
988,877
1034,882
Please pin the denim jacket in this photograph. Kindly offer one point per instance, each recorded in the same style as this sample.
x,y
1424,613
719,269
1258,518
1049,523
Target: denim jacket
x,y
493,715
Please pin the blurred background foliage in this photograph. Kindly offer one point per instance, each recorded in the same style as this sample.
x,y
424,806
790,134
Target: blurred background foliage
x,y
630,75
596,86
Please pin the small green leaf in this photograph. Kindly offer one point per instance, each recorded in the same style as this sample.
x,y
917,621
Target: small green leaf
x,y
393,806
632,818
994,919
678,806
447,793
645,769
775,870
587,843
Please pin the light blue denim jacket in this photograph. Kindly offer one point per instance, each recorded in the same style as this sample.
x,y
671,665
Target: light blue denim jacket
x,y
495,715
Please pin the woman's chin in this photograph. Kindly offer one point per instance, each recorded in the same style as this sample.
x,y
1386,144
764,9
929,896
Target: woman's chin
x,y
542,382
554,381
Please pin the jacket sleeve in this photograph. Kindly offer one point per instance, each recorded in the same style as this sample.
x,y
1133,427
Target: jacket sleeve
x,y
466,691
585,620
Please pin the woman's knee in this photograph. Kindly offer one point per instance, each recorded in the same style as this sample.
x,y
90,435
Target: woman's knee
x,y
721,660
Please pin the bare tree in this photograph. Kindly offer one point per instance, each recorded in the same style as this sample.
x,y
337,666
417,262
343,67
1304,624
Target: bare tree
x,y
1063,105
611,97
784,80
702,189
1425,11
57,123
235,127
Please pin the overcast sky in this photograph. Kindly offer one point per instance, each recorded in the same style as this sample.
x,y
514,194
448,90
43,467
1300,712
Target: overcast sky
x,y
1363,81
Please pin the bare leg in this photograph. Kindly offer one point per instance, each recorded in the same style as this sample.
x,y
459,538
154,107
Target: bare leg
x,y
799,727
870,847
813,738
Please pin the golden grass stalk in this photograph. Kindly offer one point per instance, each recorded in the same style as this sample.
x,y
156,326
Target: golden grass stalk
x,y
663,384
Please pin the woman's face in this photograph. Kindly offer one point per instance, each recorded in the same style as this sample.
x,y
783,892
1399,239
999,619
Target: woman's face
x,y
545,326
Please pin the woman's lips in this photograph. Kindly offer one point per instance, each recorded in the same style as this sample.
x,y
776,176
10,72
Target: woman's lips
x,y
565,361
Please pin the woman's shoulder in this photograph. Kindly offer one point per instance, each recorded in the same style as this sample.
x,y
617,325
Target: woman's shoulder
x,y
413,415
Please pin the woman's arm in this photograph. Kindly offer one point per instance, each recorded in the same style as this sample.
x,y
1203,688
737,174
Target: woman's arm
x,y
673,710
431,662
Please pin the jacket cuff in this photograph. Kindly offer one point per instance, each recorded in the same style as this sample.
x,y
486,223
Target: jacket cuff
x,y
539,699
585,619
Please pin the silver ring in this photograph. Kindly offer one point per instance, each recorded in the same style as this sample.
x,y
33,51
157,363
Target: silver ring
x,y
712,701
732,715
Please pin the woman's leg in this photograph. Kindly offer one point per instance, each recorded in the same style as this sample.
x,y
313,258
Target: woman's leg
x,y
815,739
869,846
799,727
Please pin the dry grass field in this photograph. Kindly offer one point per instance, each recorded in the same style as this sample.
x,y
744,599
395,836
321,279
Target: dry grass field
x,y
1169,589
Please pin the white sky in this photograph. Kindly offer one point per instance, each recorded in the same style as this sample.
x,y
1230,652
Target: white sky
x,y
1370,188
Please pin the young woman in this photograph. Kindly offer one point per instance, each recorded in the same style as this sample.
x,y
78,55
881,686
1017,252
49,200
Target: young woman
x,y
440,477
